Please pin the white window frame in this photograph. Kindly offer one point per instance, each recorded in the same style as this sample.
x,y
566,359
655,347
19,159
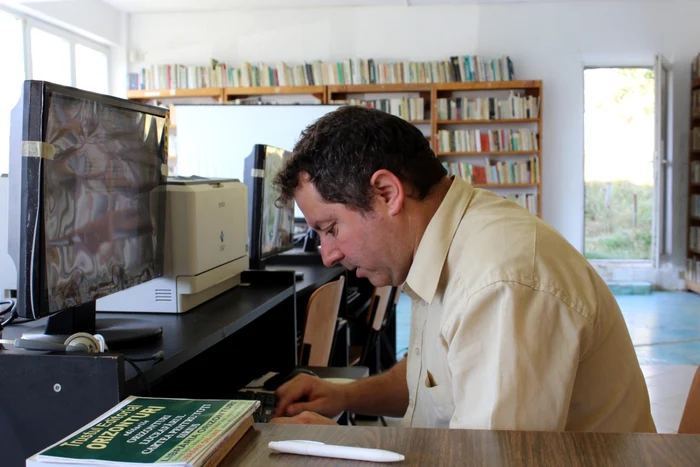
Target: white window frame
x,y
73,39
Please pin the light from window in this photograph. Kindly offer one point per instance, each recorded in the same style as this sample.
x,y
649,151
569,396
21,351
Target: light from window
x,y
91,69
11,77
50,57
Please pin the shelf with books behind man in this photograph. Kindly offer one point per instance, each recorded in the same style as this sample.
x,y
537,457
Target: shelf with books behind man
x,y
490,133
412,102
692,273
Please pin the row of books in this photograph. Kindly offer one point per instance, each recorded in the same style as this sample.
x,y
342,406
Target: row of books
x,y
692,270
488,108
695,67
496,172
694,238
695,205
695,104
526,200
695,172
468,68
408,108
695,143
487,140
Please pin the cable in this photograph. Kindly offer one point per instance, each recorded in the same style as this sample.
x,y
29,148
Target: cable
x,y
146,386
160,355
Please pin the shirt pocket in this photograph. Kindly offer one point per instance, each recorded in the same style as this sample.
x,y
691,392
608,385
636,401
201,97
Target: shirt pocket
x,y
440,398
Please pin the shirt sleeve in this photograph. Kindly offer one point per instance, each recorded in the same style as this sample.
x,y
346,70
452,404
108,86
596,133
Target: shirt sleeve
x,y
513,354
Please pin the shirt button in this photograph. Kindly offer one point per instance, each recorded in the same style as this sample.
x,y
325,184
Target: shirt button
x,y
410,401
417,350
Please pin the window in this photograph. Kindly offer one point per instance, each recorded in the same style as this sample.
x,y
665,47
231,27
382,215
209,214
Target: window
x,y
91,69
51,54
50,57
11,77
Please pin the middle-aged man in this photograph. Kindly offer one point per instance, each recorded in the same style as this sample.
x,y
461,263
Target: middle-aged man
x,y
511,327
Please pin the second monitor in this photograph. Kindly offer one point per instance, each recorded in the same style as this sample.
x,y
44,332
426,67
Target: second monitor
x,y
271,228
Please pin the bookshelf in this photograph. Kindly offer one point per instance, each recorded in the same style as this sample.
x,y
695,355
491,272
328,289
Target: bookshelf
x,y
490,133
692,272
513,126
231,94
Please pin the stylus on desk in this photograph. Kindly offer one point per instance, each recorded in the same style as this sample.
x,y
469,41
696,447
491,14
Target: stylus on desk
x,y
315,448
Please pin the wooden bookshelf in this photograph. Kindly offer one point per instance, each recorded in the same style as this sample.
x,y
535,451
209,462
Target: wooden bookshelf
x,y
487,153
161,94
318,92
692,279
487,122
430,93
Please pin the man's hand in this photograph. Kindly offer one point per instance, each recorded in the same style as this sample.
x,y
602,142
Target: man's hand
x,y
308,393
304,418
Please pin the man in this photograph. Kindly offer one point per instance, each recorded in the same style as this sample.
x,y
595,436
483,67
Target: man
x,y
511,328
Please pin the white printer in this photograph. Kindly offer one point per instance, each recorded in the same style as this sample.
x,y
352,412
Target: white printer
x,y
206,248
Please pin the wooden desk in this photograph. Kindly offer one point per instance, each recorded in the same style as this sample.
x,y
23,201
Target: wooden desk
x,y
426,447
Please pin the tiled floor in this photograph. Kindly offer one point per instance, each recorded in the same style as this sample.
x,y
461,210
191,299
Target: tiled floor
x,y
665,330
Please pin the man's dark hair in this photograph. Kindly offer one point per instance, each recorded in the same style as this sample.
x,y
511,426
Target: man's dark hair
x,y
342,149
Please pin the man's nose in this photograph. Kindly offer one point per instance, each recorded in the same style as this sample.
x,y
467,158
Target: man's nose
x,y
330,256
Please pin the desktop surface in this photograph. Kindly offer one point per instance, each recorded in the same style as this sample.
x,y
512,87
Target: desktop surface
x,y
186,335
430,446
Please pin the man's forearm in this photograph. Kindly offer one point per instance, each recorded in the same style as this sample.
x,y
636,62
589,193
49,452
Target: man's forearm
x,y
383,394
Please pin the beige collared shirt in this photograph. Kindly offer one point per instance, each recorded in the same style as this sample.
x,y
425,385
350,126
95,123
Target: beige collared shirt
x,y
511,328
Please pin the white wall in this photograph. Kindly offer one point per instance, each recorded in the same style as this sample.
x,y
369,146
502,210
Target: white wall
x,y
547,41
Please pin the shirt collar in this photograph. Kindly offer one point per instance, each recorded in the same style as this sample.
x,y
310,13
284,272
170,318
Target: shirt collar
x,y
424,275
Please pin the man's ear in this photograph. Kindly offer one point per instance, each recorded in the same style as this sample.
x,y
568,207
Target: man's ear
x,y
389,189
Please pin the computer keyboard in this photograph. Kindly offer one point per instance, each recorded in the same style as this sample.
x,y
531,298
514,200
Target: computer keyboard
x,y
268,404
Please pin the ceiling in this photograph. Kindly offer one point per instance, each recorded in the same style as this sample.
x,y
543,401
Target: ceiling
x,y
143,6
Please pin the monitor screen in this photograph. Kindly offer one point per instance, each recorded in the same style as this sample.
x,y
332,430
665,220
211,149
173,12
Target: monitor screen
x,y
100,200
277,223
270,226
87,201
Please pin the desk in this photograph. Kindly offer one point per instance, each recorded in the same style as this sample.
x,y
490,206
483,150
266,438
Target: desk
x,y
426,447
210,352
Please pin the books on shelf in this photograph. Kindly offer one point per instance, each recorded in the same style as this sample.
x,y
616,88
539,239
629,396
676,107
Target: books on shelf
x,y
467,68
145,431
488,108
692,270
500,173
408,108
526,200
487,140
695,172
694,239
695,205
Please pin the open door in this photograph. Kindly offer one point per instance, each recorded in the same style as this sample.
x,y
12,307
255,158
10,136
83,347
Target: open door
x,y
662,74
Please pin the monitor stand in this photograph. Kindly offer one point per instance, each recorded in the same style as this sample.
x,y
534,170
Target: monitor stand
x,y
82,318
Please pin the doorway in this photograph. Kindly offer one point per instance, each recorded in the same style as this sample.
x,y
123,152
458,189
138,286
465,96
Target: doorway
x,y
619,170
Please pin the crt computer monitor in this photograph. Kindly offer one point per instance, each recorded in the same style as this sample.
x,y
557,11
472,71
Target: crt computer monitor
x,y
271,226
86,213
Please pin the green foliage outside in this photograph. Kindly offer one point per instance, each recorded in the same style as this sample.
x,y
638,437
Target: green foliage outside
x,y
610,220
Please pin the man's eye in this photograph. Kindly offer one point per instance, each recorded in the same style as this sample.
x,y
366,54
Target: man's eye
x,y
331,231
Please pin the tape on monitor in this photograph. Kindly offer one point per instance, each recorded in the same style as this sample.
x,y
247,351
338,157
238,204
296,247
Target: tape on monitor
x,y
38,149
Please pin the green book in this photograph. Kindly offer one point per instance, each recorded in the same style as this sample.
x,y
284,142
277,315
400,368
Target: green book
x,y
145,431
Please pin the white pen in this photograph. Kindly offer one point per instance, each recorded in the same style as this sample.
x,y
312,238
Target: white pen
x,y
315,448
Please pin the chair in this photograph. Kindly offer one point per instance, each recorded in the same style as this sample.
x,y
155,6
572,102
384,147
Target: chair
x,y
690,420
382,309
321,318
